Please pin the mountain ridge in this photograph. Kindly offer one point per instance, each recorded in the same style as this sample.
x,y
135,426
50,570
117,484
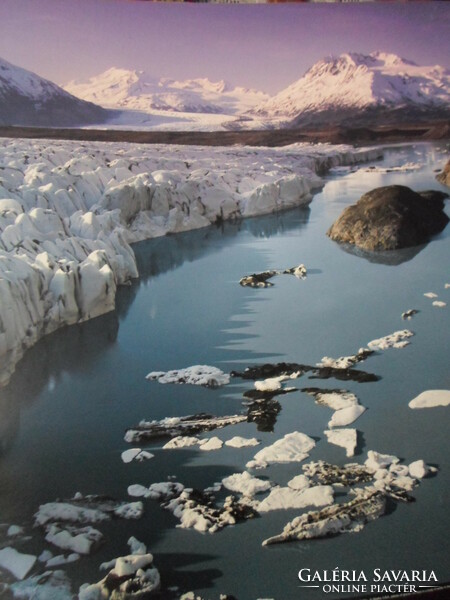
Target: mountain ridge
x,y
28,99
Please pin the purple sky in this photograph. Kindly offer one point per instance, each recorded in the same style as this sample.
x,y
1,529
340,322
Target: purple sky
x,y
262,46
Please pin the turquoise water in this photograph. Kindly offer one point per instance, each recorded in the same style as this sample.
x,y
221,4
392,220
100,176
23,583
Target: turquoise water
x,y
65,411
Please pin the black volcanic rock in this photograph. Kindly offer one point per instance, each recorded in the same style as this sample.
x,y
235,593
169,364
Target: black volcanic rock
x,y
444,176
391,217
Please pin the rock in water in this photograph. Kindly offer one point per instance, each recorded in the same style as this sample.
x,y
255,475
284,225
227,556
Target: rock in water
x,y
444,176
391,217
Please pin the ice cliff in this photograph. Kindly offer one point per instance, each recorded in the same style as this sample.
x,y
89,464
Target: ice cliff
x,y
69,212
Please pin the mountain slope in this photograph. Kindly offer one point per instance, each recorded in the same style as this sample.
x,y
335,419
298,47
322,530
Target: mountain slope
x,y
137,90
27,99
359,89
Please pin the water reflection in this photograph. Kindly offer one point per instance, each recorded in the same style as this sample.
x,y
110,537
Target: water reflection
x,y
78,348
383,257
45,363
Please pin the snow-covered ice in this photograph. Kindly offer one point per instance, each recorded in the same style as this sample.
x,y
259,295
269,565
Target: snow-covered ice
x,y
240,442
284,498
182,441
132,575
439,303
213,443
79,540
299,482
15,562
196,375
431,399
135,454
345,416
398,339
430,295
376,461
50,585
346,438
246,484
293,447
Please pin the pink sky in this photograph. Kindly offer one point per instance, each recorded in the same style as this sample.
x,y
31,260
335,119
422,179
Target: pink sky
x,y
261,46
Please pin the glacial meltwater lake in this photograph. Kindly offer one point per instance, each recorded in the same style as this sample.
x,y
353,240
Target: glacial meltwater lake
x,y
65,411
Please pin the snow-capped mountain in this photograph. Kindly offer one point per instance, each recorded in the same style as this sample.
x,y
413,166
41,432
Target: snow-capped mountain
x,y
27,99
137,90
362,89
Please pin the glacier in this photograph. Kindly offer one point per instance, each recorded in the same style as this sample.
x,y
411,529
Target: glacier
x,y
70,210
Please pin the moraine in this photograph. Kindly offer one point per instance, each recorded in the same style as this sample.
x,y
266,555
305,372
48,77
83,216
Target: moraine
x,y
73,395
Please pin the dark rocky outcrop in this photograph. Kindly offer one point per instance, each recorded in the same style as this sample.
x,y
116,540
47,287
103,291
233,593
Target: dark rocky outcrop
x,y
391,217
444,176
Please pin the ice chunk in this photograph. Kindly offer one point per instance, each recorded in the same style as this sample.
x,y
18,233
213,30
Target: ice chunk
x,y
439,303
345,416
398,339
135,454
376,461
293,447
213,443
283,498
430,295
431,399
346,438
15,562
246,484
196,375
79,540
241,442
299,482
182,441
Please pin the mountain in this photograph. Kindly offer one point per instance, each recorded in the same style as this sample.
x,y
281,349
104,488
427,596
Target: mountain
x,y
137,90
27,99
356,89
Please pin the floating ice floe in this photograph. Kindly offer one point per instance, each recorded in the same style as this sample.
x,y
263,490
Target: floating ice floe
x,y
50,585
240,442
86,509
272,370
258,279
344,362
15,530
430,295
15,562
431,399
386,478
136,454
130,576
334,399
346,416
408,314
213,443
439,303
398,339
179,426
338,518
182,441
293,447
261,280
246,484
80,540
196,375
346,438
299,482
61,559
328,474
157,491
196,510
284,498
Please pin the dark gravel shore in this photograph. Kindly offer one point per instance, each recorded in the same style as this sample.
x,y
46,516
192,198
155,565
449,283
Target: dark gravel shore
x,y
268,137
